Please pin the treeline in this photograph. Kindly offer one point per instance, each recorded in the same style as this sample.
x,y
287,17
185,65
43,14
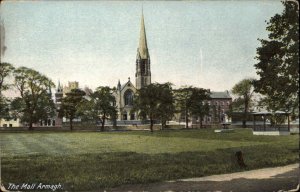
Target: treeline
x,y
153,102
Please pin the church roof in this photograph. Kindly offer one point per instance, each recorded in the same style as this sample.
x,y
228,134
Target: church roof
x,y
126,84
143,49
220,95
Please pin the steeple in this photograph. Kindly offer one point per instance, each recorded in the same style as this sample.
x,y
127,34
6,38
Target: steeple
x,y
119,85
143,49
58,94
59,88
143,73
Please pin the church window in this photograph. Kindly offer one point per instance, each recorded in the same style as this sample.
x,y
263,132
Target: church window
x,y
128,97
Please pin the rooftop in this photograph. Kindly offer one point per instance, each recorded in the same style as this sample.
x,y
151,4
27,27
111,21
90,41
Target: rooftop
x,y
220,95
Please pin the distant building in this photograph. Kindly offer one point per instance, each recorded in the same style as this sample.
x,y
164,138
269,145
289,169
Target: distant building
x,y
10,123
219,105
71,85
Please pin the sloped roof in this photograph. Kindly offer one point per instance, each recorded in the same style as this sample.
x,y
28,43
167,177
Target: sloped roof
x,y
220,95
125,84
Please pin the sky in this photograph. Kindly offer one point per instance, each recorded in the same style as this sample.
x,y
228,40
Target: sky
x,y
208,44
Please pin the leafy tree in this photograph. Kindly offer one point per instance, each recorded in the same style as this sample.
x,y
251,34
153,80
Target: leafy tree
x,y
17,107
278,58
6,70
155,101
182,96
190,100
34,95
238,104
71,104
166,107
199,106
101,106
4,108
244,90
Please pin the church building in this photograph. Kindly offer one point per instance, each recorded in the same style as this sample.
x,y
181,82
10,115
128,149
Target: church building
x,y
124,93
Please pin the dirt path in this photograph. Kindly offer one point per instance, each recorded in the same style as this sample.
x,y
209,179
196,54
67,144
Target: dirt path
x,y
268,180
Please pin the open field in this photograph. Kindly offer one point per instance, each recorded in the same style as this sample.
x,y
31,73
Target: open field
x,y
84,161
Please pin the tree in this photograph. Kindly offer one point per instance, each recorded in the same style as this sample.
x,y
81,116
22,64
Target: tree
x,y
6,70
190,100
278,58
166,107
244,90
17,107
155,101
201,108
35,95
101,106
4,108
70,105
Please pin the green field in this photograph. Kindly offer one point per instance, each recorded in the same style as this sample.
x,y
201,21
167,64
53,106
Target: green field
x,y
84,161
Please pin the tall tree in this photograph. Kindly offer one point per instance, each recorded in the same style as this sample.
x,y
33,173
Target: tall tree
x,y
6,70
200,107
182,96
166,106
244,90
278,58
4,108
70,106
191,102
35,95
155,101
101,106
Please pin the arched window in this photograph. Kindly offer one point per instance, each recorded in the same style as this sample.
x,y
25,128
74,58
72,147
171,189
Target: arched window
x,y
128,97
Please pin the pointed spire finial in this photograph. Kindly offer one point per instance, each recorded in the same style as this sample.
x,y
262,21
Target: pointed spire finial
x,y
143,49
119,85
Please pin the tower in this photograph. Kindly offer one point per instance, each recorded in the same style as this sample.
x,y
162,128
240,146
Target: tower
x,y
143,73
58,99
58,95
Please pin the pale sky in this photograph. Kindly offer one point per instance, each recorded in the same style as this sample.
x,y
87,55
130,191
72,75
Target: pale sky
x,y
208,44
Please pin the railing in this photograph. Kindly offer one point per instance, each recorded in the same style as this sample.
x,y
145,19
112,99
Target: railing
x,y
271,128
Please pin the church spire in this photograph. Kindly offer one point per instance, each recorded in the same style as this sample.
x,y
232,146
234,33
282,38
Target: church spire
x,y
143,72
143,49
59,88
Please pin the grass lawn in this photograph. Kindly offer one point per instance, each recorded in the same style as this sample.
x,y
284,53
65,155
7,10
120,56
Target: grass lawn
x,y
83,161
